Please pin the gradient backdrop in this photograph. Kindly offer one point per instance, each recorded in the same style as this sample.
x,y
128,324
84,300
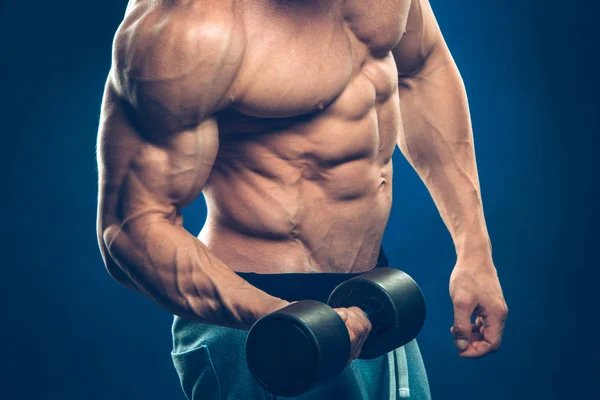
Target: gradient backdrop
x,y
69,332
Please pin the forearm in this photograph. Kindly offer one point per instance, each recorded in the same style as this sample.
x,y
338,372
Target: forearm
x,y
437,139
178,272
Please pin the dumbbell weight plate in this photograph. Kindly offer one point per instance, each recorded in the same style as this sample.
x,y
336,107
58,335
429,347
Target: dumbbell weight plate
x,y
294,348
393,302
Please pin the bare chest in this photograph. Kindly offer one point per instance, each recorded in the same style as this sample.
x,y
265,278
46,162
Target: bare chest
x,y
302,55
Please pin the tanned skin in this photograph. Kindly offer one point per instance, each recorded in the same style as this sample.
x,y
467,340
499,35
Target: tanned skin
x,y
285,115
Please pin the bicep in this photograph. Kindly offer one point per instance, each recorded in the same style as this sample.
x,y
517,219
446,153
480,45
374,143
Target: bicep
x,y
141,178
172,71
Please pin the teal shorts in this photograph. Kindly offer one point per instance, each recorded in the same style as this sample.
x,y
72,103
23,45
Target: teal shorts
x,y
211,360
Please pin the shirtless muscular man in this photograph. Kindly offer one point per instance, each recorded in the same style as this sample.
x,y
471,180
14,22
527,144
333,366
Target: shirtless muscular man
x,y
285,115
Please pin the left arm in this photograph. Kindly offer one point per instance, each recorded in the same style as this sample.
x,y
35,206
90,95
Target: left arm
x,y
437,139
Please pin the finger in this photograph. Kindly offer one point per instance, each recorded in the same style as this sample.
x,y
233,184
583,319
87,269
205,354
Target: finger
x,y
487,341
342,313
359,314
492,331
361,324
366,329
474,328
360,321
463,310
476,337
352,345
355,327
479,322
476,349
476,332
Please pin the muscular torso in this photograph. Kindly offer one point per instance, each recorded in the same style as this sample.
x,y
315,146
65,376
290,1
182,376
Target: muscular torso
x,y
302,179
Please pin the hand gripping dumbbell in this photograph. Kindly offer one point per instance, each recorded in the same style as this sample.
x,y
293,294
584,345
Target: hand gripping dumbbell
x,y
293,349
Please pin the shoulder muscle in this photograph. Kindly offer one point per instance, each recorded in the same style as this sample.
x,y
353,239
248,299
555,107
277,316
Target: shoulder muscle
x,y
175,63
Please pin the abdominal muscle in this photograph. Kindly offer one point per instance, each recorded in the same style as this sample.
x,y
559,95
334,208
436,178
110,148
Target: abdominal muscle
x,y
305,194
277,228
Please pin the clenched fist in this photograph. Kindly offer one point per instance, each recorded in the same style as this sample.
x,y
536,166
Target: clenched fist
x,y
358,326
476,293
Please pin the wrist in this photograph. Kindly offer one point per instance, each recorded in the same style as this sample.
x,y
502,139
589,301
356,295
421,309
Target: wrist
x,y
266,306
474,253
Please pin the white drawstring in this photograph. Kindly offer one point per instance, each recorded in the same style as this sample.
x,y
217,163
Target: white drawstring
x,y
401,372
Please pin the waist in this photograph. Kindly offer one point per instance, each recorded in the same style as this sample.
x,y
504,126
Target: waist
x,y
350,246
304,286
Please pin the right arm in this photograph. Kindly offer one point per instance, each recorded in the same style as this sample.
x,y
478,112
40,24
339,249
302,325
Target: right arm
x,y
156,147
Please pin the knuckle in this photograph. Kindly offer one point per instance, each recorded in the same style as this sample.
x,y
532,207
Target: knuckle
x,y
350,336
463,301
354,309
501,311
461,328
495,344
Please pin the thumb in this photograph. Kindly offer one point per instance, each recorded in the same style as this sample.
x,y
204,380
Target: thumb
x,y
463,310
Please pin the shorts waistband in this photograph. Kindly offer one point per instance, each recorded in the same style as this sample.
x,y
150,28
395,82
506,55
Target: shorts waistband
x,y
304,286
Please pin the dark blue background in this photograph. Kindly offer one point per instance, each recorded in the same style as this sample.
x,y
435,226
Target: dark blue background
x,y
70,332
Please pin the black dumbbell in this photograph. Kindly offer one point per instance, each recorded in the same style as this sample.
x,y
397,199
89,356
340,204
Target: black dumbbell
x,y
293,349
